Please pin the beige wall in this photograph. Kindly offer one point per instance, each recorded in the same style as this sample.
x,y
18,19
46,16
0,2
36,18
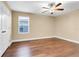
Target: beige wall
x,y
67,26
40,26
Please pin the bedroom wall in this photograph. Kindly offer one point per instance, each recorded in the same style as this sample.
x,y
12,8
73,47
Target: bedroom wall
x,y
40,26
67,26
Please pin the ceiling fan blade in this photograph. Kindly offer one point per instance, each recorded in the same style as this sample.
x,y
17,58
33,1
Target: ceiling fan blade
x,y
44,11
58,4
45,7
60,9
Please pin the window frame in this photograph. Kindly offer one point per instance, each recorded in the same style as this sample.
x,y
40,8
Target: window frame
x,y
27,19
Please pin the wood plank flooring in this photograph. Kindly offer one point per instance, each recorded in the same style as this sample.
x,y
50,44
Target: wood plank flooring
x,y
49,47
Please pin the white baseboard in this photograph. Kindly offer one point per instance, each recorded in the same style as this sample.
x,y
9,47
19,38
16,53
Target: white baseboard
x,y
19,40
74,41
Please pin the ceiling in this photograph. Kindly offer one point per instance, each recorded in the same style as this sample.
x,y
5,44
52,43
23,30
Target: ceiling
x,y
36,7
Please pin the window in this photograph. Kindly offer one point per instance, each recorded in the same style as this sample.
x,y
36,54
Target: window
x,y
23,24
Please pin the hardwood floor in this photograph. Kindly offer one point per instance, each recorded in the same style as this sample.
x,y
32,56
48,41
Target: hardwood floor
x,y
49,47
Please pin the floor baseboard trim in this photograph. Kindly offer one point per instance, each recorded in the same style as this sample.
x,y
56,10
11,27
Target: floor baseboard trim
x,y
19,40
74,41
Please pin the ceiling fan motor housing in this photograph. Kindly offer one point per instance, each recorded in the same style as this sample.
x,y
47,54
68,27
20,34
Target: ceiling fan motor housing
x,y
50,4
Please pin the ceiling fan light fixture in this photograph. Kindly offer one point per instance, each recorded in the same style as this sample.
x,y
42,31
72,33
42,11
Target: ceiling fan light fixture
x,y
52,7
51,12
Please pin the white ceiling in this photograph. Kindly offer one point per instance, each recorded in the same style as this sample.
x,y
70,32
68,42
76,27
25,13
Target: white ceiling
x,y
36,7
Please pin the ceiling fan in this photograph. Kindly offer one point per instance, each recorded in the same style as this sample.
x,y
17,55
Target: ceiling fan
x,y
52,7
